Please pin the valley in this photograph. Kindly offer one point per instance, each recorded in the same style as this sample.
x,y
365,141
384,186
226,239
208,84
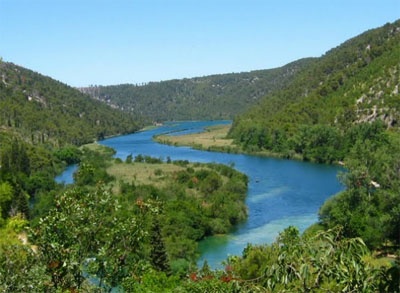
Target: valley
x,y
143,216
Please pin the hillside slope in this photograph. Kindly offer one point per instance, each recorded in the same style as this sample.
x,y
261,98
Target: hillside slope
x,y
210,97
44,110
353,83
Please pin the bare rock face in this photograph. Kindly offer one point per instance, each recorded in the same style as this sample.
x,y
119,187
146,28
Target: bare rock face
x,y
381,101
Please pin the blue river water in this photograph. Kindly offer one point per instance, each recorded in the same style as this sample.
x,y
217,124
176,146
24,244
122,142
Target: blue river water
x,y
280,192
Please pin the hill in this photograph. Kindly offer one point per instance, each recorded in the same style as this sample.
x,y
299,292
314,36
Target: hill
x,y
209,97
42,110
353,83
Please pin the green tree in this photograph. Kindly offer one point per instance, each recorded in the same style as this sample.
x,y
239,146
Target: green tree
x,y
87,225
323,262
85,174
368,208
69,154
6,195
14,158
21,270
158,252
128,159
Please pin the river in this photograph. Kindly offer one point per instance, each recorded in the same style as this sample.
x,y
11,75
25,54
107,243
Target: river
x,y
280,192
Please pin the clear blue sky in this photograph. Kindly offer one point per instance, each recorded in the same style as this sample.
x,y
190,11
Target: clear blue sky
x,y
102,42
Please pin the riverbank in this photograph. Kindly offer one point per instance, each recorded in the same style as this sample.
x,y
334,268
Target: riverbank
x,y
214,138
274,195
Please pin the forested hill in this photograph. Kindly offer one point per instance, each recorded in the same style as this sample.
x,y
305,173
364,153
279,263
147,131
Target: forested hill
x,y
41,109
210,97
353,83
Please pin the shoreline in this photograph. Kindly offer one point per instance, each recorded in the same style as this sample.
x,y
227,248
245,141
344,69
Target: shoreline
x,y
213,139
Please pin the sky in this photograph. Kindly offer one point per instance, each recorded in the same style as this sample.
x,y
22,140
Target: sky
x,y
107,42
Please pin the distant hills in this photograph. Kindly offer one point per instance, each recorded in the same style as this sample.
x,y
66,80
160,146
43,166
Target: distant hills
x,y
210,97
40,109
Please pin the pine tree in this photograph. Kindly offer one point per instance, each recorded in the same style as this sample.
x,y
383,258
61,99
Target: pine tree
x,y
158,253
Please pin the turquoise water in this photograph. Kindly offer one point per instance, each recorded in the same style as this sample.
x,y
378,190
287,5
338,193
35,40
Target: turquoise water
x,y
280,192
66,177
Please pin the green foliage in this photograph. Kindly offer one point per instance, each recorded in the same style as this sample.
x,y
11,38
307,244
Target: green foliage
x,y
26,171
320,143
92,167
14,158
320,263
158,253
43,110
355,83
17,223
94,231
220,96
69,154
21,270
212,284
327,263
369,207
152,281
151,160
128,159
44,201
212,194
6,194
87,225
342,107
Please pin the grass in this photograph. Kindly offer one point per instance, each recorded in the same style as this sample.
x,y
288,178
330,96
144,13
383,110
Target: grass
x,y
143,173
212,137
96,147
159,175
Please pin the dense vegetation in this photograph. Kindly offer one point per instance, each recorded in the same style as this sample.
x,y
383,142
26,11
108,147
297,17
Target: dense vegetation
x,y
344,108
210,97
370,205
139,237
43,110
315,114
114,229
212,194
108,230
40,121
